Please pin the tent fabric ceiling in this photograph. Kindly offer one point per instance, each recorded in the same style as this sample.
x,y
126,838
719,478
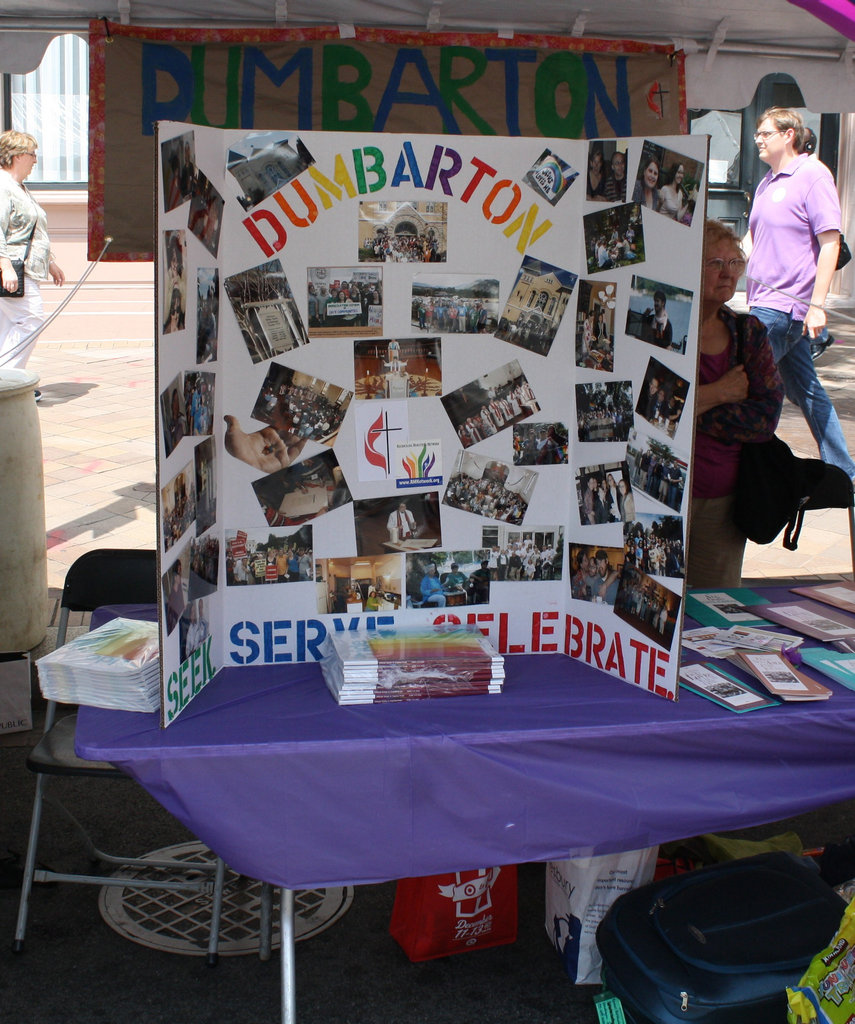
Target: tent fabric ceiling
x,y
730,45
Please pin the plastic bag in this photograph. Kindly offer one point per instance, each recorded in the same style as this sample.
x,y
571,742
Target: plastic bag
x,y
826,992
578,894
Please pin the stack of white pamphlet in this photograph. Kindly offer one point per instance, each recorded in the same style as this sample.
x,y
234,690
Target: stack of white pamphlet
x,y
114,666
379,665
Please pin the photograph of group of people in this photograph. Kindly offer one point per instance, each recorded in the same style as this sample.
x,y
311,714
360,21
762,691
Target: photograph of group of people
x,y
488,487
298,493
523,555
454,304
647,605
604,410
656,469
595,573
595,325
397,523
654,544
397,368
540,444
204,457
659,314
255,557
413,232
663,397
299,406
265,310
343,301
444,578
604,494
667,182
490,403
614,237
178,505
536,305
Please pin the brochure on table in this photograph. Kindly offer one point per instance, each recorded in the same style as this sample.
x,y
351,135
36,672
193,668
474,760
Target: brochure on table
x,y
417,379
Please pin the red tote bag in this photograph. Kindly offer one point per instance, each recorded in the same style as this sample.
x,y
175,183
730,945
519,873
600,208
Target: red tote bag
x,y
439,915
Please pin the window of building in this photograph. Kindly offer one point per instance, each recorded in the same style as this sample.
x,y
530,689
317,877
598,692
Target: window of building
x,y
52,104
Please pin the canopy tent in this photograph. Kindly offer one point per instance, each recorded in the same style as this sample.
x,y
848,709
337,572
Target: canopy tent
x,y
729,45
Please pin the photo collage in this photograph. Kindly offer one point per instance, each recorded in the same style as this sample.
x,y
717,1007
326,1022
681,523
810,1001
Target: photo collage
x,y
385,435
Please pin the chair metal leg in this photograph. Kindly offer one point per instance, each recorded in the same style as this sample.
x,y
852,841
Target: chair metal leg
x,y
265,922
286,950
29,865
216,912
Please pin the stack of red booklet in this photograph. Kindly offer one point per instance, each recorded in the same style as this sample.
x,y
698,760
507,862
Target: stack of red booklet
x,y
374,666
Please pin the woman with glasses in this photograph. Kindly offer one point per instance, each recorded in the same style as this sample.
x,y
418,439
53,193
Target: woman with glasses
x,y
739,401
795,236
23,224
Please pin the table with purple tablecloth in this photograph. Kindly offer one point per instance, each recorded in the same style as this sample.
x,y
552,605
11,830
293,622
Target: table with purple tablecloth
x,y
291,788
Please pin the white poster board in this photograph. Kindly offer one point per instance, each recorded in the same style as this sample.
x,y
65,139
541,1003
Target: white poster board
x,y
409,379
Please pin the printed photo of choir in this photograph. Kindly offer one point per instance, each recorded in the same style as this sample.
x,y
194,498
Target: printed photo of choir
x,y
490,403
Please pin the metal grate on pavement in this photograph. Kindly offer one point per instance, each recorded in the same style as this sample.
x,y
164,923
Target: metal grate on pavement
x,y
179,922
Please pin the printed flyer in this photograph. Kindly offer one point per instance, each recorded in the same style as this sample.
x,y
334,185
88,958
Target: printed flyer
x,y
416,379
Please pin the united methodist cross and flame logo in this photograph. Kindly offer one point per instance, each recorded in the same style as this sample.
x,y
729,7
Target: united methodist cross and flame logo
x,y
378,433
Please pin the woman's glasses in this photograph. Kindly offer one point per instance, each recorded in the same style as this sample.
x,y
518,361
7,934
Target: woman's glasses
x,y
735,266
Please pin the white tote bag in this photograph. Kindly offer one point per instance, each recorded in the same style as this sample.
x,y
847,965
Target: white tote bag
x,y
578,894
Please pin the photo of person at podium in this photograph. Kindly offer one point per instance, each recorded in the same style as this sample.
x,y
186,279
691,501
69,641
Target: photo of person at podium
x,y
401,524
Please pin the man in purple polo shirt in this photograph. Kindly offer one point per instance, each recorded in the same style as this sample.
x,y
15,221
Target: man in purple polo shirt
x,y
795,238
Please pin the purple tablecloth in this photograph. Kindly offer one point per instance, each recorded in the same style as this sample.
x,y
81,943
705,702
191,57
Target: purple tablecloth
x,y
290,788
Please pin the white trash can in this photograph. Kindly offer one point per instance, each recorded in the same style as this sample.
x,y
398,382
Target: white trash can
x,y
23,548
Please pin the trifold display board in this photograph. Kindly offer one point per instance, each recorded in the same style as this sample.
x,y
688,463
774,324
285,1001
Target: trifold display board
x,y
417,379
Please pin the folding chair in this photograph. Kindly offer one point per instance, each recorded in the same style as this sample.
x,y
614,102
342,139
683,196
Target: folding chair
x,y
107,576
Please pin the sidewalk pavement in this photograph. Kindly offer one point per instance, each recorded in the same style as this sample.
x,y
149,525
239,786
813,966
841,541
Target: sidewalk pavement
x,y
97,418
